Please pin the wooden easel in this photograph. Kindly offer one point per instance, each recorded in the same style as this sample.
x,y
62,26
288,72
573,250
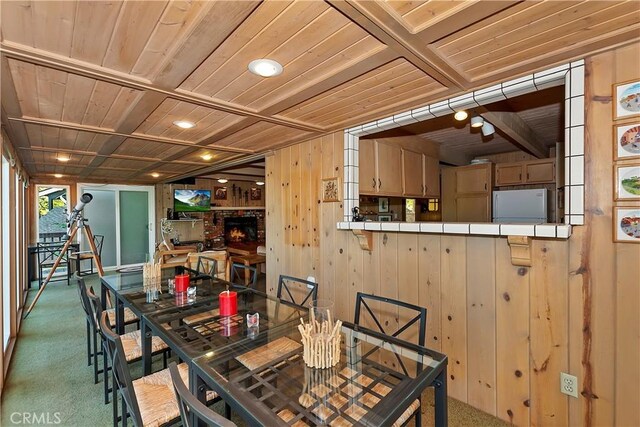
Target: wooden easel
x,y
78,223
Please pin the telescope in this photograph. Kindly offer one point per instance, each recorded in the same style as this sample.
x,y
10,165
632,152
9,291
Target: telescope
x,y
77,210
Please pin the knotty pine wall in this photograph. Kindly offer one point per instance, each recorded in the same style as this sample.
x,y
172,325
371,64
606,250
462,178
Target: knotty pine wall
x,y
508,331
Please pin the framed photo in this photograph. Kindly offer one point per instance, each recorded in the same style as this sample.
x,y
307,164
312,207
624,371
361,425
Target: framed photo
x,y
256,193
331,189
626,98
384,218
220,193
626,224
627,181
627,137
383,204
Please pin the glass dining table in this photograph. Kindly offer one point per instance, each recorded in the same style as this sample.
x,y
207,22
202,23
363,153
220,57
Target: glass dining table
x,y
255,363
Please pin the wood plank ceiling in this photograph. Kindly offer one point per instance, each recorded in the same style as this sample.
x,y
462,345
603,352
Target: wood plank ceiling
x,y
101,82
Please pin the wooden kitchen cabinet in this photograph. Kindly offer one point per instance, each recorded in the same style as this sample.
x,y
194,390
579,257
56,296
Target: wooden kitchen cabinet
x,y
528,172
412,173
509,174
466,193
380,168
421,175
368,178
431,176
540,171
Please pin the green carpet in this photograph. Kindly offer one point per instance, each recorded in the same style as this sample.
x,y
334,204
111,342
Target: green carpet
x,y
49,376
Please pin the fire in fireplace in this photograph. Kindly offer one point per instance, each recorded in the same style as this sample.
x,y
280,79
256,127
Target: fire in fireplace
x,y
240,229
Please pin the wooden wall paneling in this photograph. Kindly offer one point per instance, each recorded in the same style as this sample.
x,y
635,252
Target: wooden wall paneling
x,y
294,216
271,187
315,178
429,287
548,332
512,338
408,281
627,342
305,211
388,315
327,225
355,274
481,323
453,276
341,288
285,167
627,291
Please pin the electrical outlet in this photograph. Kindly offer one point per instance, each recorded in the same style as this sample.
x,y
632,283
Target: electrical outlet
x,y
569,384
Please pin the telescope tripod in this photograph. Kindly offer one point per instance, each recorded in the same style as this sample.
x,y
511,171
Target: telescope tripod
x,y
79,223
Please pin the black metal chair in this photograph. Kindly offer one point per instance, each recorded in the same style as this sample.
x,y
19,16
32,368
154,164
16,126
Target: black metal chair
x,y
78,257
134,352
92,334
417,317
238,275
305,290
48,253
208,266
191,409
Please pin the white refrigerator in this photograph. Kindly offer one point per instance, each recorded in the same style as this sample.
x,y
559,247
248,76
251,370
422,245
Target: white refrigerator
x,y
520,206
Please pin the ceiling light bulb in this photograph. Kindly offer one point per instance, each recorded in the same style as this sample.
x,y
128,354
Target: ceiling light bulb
x,y
206,157
223,180
487,129
63,158
476,121
259,183
265,67
460,115
184,124
58,175
155,175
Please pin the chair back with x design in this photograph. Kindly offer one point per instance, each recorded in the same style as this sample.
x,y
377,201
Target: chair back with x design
x,y
208,266
297,291
243,275
121,374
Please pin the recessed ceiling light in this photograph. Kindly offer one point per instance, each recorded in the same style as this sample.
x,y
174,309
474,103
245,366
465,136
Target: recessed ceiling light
x,y
223,180
184,124
259,183
63,158
155,175
265,67
460,115
206,157
476,121
58,175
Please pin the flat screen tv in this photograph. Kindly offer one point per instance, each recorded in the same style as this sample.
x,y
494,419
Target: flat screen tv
x,y
191,200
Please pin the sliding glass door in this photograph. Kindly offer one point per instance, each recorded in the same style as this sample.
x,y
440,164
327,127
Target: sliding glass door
x,y
124,215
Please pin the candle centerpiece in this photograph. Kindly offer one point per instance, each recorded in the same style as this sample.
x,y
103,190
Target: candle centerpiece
x,y
182,283
321,339
228,302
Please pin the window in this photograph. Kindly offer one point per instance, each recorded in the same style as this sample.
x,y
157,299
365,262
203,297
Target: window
x,y
6,264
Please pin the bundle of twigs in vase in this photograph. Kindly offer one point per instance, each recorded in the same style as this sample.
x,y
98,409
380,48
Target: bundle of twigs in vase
x,y
151,277
320,341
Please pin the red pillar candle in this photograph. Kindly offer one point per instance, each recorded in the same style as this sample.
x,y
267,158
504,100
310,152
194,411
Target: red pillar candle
x,y
182,282
228,303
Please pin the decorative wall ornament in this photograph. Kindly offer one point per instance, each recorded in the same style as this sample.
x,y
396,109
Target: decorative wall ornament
x,y
626,224
331,189
627,141
256,193
626,97
627,181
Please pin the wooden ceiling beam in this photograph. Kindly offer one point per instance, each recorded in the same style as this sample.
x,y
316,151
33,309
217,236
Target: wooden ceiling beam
x,y
104,131
73,66
110,156
374,19
517,131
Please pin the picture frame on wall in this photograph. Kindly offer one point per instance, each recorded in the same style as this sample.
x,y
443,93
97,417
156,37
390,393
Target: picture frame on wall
x,y
627,141
383,204
626,224
626,96
627,181
220,193
384,218
256,193
331,189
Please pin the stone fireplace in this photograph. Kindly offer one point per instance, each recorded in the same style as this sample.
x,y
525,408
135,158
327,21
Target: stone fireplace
x,y
240,229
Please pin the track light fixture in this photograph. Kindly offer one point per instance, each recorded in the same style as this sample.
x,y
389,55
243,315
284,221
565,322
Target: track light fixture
x,y
476,121
487,129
